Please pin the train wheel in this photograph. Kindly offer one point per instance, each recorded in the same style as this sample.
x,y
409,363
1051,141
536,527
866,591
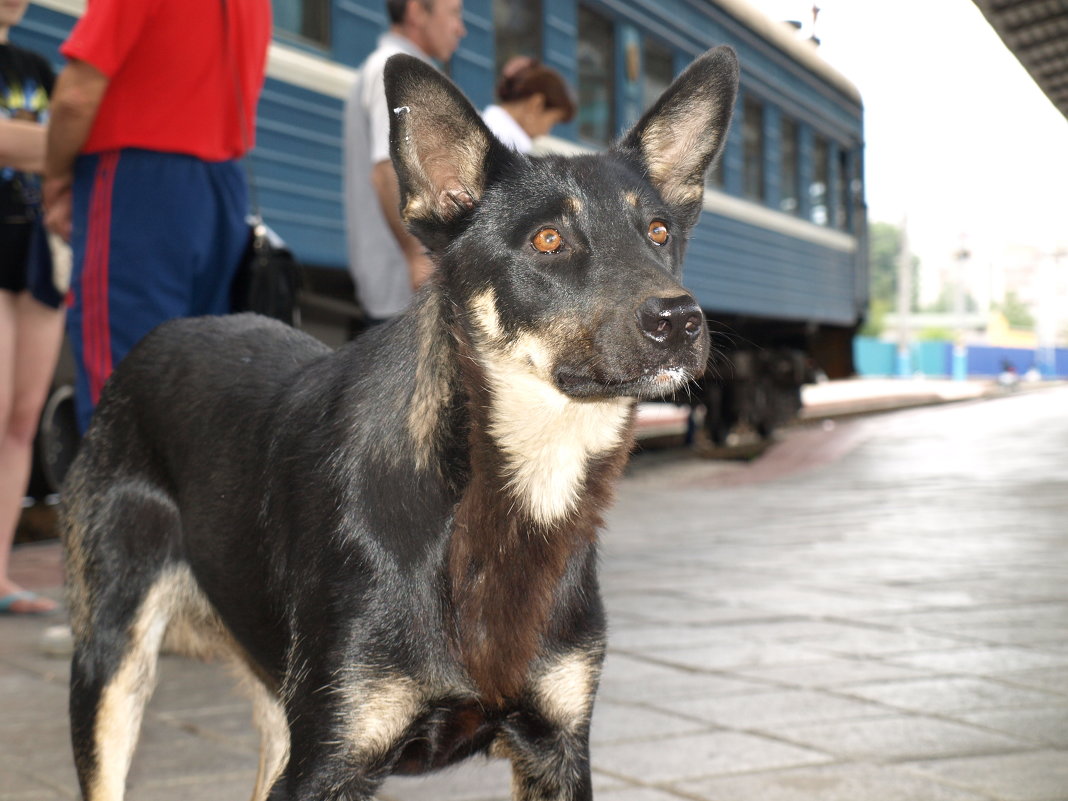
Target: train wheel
x,y
57,438
717,420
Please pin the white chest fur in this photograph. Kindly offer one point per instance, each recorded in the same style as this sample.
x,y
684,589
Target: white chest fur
x,y
547,438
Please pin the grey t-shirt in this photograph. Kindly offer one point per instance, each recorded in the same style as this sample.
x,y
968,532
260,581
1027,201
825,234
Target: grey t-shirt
x,y
376,261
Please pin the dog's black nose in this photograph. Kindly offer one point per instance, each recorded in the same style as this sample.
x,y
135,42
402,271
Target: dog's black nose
x,y
671,322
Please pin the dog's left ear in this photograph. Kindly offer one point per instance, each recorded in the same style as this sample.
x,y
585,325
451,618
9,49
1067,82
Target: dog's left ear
x,y
439,145
680,136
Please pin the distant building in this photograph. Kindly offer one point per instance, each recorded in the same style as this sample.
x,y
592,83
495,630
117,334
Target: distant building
x,y
1034,277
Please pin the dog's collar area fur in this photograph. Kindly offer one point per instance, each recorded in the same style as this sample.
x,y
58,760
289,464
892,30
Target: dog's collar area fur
x,y
547,439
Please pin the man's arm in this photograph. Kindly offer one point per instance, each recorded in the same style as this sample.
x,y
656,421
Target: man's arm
x,y
384,179
76,98
22,145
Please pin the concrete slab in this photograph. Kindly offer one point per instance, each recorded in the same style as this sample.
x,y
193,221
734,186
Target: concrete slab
x,y
1034,776
897,738
843,782
949,694
697,756
773,710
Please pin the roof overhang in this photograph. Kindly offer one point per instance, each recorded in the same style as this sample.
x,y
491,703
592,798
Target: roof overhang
x,y
1036,31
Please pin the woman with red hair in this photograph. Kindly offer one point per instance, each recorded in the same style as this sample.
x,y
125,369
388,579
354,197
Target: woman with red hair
x,y
532,98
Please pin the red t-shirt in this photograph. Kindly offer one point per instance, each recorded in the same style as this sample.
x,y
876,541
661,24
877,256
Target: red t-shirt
x,y
173,81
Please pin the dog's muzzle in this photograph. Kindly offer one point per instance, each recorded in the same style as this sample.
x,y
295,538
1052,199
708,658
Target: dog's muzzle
x,y
653,350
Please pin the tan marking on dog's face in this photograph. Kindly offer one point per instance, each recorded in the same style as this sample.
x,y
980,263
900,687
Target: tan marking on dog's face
x,y
377,712
486,318
573,204
547,438
631,198
565,690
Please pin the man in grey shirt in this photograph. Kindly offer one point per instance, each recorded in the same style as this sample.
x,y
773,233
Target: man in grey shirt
x,y
387,263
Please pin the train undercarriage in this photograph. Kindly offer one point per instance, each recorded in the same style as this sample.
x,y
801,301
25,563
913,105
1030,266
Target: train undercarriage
x,y
756,371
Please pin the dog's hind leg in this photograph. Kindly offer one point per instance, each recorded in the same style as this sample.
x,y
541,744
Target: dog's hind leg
x,y
122,595
113,674
271,720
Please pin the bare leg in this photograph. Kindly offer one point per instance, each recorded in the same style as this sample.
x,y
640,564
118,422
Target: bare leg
x,y
30,336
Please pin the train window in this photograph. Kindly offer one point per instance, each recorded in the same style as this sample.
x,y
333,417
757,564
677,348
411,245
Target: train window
x,y
820,186
307,19
659,70
753,149
517,26
596,77
841,192
790,169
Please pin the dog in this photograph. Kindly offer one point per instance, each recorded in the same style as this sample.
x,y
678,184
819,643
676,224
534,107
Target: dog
x,y
395,542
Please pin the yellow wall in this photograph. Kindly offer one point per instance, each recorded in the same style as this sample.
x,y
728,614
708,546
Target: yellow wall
x,y
1000,335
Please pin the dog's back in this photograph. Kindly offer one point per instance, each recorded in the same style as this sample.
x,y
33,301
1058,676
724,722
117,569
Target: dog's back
x,y
397,541
180,419
190,376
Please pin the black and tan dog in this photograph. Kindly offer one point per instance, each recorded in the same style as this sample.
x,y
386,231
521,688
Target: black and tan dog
x,y
396,541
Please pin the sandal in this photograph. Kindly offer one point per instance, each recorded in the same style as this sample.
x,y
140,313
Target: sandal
x,y
31,604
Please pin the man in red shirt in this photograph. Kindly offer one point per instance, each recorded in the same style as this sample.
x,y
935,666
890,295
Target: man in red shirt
x,y
141,173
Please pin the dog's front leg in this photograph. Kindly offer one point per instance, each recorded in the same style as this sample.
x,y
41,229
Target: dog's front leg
x,y
549,762
344,727
320,771
323,787
548,741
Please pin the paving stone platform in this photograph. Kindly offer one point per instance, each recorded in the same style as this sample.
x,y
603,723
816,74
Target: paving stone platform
x,y
875,610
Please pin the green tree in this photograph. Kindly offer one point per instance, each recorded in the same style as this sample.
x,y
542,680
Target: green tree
x,y
885,245
884,249
936,334
1017,313
945,303
875,320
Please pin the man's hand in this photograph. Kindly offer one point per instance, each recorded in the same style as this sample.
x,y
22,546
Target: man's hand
x,y
59,206
384,180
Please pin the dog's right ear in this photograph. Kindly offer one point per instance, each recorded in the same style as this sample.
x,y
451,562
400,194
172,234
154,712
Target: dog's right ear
x,y
439,145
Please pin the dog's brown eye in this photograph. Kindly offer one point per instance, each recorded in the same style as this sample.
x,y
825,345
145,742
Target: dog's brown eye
x,y
547,240
658,232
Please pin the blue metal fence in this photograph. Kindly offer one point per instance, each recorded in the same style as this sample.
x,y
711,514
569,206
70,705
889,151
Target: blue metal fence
x,y
873,357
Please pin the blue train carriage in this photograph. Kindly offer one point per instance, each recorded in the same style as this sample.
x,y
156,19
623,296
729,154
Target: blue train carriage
x,y
778,259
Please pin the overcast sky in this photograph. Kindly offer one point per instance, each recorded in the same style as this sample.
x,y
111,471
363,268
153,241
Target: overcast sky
x,y
959,137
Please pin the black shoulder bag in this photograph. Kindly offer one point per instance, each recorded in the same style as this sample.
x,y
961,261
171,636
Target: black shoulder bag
x,y
269,277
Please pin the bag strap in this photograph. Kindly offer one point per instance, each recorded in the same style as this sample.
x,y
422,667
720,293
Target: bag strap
x,y
243,124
